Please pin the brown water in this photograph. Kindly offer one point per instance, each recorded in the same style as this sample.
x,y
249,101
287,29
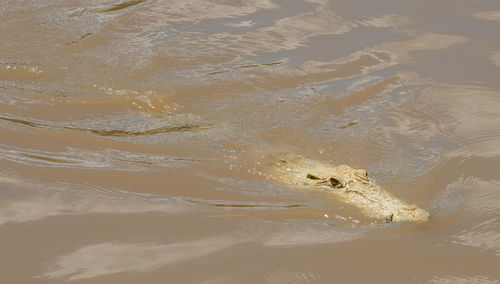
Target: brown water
x,y
135,137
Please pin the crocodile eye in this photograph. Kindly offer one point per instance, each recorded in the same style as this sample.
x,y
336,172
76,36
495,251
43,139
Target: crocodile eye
x,y
335,182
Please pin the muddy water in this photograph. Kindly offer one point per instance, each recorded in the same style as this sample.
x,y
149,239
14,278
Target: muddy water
x,y
136,139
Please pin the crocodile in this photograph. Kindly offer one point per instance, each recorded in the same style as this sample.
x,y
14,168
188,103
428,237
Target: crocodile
x,y
352,186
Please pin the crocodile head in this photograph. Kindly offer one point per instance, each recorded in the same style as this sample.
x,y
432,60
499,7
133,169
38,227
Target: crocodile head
x,y
355,187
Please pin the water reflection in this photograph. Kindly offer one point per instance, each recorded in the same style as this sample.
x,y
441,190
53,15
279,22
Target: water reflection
x,y
290,33
495,56
489,15
113,257
481,199
423,42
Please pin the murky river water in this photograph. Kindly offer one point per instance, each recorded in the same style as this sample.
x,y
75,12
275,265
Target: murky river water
x,y
136,136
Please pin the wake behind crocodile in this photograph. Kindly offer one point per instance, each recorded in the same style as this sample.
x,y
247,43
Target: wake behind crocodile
x,y
346,184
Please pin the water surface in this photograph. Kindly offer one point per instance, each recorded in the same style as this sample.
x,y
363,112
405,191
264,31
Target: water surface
x,y
136,136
